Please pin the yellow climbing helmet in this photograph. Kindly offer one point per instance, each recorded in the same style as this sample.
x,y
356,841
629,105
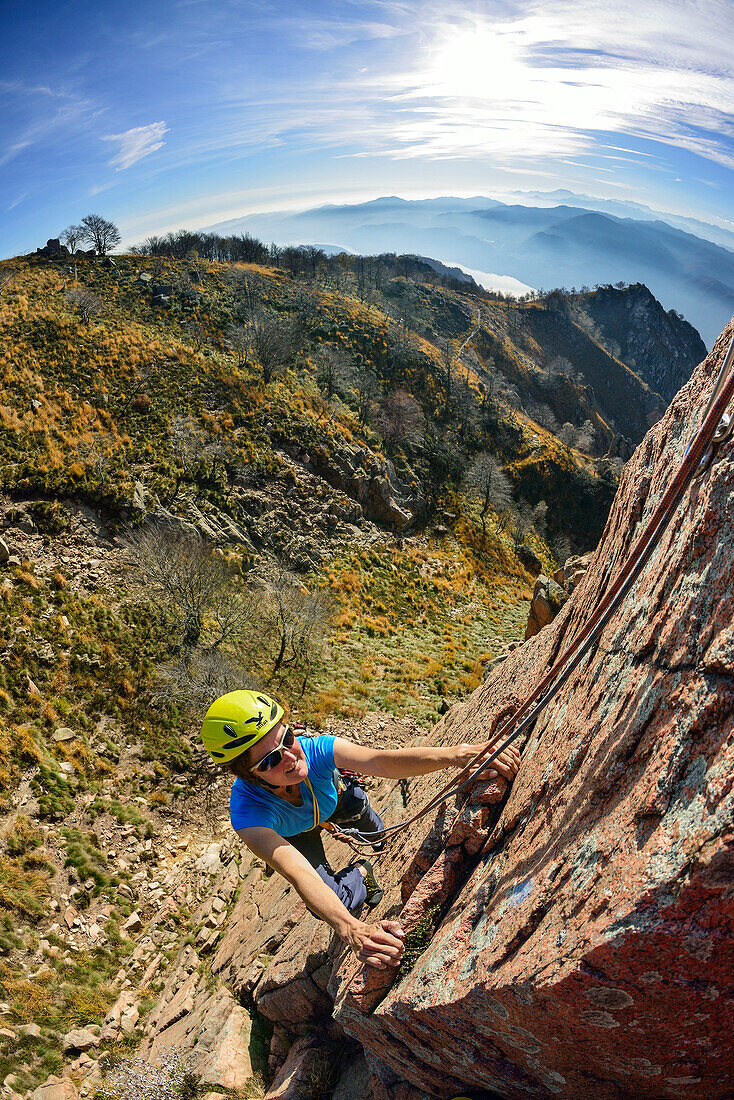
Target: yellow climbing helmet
x,y
236,721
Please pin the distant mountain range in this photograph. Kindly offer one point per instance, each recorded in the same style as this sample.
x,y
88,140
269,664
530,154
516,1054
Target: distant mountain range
x,y
515,246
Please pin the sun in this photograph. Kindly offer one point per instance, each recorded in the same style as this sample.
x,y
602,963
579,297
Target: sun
x,y
477,62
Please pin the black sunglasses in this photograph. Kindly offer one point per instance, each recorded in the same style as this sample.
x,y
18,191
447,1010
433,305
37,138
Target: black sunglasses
x,y
274,757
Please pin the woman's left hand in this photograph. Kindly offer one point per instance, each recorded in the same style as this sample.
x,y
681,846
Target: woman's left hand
x,y
506,764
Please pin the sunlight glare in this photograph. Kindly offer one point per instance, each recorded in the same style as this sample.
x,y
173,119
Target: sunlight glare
x,y
477,62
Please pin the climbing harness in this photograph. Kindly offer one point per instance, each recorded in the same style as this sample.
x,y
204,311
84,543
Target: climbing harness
x,y
716,428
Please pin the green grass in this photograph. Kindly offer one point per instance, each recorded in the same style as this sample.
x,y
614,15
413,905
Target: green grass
x,y
84,855
418,939
416,626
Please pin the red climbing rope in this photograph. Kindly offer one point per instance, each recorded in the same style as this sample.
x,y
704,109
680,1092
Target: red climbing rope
x,y
716,428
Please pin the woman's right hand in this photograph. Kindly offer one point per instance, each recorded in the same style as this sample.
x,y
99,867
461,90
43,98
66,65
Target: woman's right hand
x,y
379,945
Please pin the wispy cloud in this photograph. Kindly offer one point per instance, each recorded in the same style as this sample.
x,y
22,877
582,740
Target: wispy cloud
x,y
136,143
530,81
57,113
550,78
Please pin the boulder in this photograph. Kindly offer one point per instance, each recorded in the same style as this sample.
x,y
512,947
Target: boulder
x,y
63,733
56,1088
29,1031
212,1030
4,551
573,571
132,925
578,941
308,1071
141,498
81,1038
548,599
371,481
53,249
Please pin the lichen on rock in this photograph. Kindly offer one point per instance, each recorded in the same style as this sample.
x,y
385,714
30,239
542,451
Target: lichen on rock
x,y
612,860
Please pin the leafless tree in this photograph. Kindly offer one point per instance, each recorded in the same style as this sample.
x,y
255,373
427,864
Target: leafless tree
x,y
86,301
276,342
72,237
314,258
299,621
194,581
587,437
447,351
101,233
540,517
487,482
365,389
568,435
187,441
400,419
197,677
97,454
238,339
197,331
7,274
332,367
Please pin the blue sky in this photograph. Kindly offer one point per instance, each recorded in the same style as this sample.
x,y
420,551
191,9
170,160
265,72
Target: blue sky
x,y
190,112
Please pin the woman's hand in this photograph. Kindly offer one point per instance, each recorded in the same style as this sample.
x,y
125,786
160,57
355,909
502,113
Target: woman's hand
x,y
379,945
506,764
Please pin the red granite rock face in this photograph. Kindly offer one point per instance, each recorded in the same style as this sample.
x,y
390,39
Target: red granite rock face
x,y
584,942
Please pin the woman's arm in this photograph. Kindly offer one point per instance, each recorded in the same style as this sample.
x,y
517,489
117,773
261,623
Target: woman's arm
x,y
378,944
419,759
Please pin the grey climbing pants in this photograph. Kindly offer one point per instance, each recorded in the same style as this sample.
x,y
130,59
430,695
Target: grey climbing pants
x,y
353,810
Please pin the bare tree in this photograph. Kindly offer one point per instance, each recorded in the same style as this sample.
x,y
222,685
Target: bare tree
x,y
568,435
299,620
194,581
276,342
197,331
486,481
86,301
332,366
7,274
187,441
448,352
314,257
587,437
365,389
401,419
238,339
97,454
540,517
72,237
197,677
102,234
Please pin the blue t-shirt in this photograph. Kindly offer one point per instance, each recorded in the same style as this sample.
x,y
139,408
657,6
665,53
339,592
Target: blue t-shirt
x,y
254,805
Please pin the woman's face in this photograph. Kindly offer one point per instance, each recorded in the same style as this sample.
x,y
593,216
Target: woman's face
x,y
293,767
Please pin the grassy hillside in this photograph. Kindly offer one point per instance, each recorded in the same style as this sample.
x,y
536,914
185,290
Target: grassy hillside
x,y
276,429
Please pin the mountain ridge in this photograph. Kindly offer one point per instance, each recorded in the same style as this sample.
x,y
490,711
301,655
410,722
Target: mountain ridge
x,y
698,280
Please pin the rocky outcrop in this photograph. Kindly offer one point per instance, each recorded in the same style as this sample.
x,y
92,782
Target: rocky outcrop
x,y
548,599
371,481
574,939
550,593
577,943
661,347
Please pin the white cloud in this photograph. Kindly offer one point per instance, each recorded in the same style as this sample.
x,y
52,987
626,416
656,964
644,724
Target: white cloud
x,y
69,112
548,80
136,144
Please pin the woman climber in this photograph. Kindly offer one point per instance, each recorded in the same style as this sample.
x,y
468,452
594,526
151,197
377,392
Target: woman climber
x,y
288,783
